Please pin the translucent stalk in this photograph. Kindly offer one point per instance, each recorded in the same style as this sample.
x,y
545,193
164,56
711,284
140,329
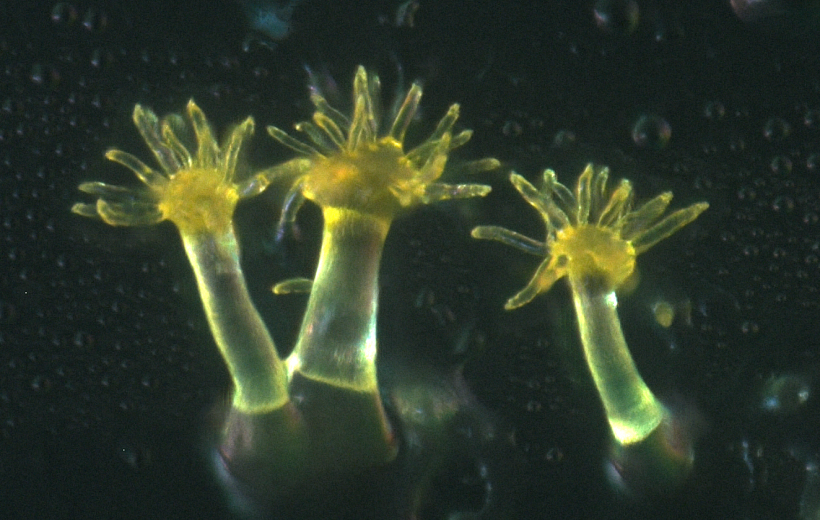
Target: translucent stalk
x,y
337,342
258,374
631,408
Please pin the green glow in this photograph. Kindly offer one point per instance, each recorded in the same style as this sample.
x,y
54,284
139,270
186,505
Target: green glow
x,y
593,238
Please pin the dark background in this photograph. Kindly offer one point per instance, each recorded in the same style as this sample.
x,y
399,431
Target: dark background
x,y
108,374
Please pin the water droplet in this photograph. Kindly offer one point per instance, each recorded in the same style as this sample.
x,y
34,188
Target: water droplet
x,y
746,193
783,203
511,128
737,143
714,110
812,118
36,74
750,250
616,16
564,139
63,13
781,165
776,129
651,131
94,20
785,394
749,327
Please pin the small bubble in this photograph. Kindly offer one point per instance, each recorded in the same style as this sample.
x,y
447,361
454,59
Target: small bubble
x,y
777,129
36,74
781,165
617,16
651,131
785,394
746,193
40,383
749,327
813,162
714,110
63,13
783,203
737,143
511,128
811,118
564,139
95,20
767,13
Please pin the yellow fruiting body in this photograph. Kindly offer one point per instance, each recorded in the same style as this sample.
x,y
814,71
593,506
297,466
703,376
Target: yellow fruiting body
x,y
593,238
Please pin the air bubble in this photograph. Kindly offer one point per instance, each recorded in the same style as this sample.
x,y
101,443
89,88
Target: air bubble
x,y
785,394
783,203
813,162
776,129
564,139
617,16
811,119
94,20
36,74
714,111
651,131
746,193
512,128
63,13
781,165
737,143
749,327
750,250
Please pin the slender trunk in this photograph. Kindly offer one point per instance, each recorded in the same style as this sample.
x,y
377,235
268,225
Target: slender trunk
x,y
337,342
632,410
258,374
